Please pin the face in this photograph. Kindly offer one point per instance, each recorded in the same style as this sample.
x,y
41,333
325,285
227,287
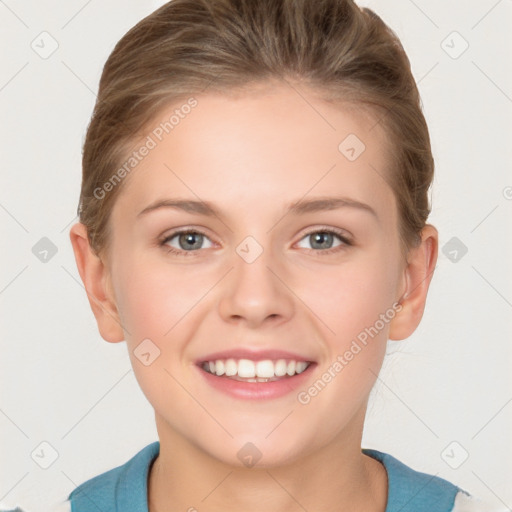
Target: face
x,y
297,267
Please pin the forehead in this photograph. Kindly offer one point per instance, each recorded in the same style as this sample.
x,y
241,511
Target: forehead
x,y
269,145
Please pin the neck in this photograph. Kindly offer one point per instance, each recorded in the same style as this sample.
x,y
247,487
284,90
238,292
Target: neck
x,y
183,477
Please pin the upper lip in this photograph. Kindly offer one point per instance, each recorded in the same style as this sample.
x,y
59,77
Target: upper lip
x,y
253,355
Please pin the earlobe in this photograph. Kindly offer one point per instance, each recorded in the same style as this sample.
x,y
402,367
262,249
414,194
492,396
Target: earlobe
x,y
418,274
96,280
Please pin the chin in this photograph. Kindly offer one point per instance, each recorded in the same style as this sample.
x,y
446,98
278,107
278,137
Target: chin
x,y
257,452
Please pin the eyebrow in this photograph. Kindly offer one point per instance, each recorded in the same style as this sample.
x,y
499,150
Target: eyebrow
x,y
299,207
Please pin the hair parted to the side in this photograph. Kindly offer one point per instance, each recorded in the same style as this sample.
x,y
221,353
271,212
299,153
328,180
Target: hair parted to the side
x,y
333,47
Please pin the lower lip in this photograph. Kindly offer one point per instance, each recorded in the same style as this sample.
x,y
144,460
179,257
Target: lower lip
x,y
257,390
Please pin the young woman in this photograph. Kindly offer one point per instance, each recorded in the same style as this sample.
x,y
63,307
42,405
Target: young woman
x,y
253,224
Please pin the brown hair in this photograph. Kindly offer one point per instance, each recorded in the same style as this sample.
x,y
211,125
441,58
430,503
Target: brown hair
x,y
332,46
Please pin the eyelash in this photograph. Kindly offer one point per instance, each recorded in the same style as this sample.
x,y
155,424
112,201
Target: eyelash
x,y
346,242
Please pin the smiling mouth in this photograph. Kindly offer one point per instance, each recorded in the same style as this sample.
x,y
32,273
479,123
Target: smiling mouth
x,y
246,370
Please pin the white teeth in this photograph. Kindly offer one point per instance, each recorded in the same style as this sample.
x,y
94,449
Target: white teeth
x,y
300,366
255,371
219,368
280,368
246,368
264,369
231,368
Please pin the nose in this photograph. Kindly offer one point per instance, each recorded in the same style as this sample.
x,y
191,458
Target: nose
x,y
256,293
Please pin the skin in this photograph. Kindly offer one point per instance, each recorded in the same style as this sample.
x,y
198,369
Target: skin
x,y
251,155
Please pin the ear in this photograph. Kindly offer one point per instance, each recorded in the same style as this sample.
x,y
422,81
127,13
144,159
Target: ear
x,y
418,273
96,279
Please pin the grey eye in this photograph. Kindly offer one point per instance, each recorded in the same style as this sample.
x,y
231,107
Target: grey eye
x,y
188,241
321,240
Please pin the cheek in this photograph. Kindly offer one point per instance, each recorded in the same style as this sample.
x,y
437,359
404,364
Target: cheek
x,y
354,304
351,297
155,304
154,298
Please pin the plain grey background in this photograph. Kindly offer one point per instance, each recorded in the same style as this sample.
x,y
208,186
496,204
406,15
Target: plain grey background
x,y
70,407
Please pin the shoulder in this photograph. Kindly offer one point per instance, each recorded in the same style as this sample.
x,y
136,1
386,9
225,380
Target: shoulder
x,y
409,489
121,488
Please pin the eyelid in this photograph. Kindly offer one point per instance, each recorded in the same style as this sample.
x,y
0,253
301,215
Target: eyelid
x,y
178,231
166,237
344,235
